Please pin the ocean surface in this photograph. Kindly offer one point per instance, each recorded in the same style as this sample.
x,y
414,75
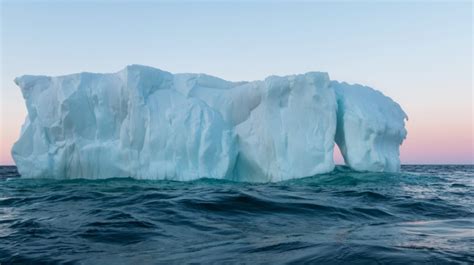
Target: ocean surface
x,y
423,215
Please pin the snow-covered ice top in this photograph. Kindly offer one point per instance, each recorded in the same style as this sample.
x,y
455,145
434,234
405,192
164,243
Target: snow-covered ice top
x,y
146,123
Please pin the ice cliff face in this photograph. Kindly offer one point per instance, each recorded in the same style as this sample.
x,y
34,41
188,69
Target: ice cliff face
x,y
146,123
370,128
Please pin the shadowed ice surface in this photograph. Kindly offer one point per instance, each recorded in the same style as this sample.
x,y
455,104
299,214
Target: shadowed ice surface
x,y
425,214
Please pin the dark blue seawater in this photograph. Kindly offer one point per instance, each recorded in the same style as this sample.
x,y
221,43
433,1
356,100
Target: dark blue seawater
x,y
423,215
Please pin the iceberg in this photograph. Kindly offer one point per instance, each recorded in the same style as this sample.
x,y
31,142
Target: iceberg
x,y
146,123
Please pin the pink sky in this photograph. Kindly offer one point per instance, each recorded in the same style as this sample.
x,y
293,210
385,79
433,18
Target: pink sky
x,y
419,54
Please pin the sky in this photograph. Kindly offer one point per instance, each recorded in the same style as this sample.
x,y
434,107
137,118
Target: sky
x,y
418,53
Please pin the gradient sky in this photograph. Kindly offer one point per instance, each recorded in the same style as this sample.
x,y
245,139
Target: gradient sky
x,y
419,54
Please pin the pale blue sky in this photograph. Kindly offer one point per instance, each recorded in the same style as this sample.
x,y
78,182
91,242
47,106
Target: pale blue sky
x,y
418,53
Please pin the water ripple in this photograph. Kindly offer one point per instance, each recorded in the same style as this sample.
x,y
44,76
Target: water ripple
x,y
425,214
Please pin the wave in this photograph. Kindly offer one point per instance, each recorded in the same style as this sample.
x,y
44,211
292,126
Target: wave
x,y
343,217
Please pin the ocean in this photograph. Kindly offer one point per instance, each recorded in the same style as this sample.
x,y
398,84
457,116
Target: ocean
x,y
424,214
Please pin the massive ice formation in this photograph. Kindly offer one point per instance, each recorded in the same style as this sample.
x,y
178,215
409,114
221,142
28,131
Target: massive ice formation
x,y
146,123
284,126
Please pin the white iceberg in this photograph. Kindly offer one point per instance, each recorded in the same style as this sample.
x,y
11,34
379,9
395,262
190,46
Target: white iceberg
x,y
146,123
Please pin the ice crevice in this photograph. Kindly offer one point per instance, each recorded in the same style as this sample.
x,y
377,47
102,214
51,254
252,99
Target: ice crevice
x,y
146,123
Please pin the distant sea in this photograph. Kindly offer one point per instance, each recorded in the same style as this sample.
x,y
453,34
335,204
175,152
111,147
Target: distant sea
x,y
423,215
